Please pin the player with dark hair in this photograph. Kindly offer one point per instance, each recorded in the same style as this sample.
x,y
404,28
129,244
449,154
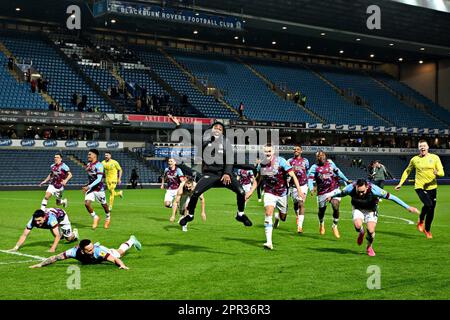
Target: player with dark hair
x,y
274,171
217,171
173,176
365,197
95,189
301,167
89,253
428,167
326,175
59,176
53,219
183,196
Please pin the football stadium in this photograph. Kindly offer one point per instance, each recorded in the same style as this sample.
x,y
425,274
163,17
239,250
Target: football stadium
x,y
225,150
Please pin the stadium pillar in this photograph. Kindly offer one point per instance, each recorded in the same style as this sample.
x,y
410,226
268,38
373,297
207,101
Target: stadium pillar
x,y
20,130
108,134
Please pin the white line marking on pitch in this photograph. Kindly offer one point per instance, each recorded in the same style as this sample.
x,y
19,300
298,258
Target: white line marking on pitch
x,y
23,255
16,262
403,219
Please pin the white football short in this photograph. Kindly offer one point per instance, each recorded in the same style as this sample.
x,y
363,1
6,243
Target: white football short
x,y
278,202
322,199
170,195
96,196
55,192
365,215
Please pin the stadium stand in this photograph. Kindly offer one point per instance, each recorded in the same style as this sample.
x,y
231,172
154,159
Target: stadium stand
x,y
403,89
20,173
63,80
321,98
16,95
381,100
181,82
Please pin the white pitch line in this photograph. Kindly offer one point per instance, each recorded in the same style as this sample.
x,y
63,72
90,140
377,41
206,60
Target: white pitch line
x,y
24,255
398,218
16,262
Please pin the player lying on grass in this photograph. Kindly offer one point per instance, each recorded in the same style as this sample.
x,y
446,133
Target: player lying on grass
x,y
365,197
89,253
54,219
184,193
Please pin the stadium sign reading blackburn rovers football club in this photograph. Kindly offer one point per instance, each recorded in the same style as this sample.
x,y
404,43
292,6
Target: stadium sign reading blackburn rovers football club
x,y
174,15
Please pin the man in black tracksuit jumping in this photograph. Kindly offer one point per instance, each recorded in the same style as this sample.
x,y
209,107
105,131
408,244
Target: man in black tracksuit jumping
x,y
217,172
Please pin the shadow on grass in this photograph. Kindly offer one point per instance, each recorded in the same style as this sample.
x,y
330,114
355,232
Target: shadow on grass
x,y
172,227
175,248
336,250
159,219
319,237
250,242
412,235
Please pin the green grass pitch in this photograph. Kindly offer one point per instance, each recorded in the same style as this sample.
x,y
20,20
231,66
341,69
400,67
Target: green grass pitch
x,y
222,259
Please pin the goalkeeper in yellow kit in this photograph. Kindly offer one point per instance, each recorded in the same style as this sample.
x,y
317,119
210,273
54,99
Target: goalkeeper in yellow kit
x,y
113,177
428,167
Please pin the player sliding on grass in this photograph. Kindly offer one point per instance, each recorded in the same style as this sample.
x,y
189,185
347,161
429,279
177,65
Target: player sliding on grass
x,y
182,198
365,197
173,176
95,190
88,253
59,176
326,175
54,219
273,171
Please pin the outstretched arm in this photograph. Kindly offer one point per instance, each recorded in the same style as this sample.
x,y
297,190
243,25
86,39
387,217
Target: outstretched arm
x,y
50,260
405,175
117,262
22,239
386,195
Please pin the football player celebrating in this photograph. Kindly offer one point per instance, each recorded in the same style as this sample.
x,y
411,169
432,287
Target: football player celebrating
x,y
89,253
365,197
173,176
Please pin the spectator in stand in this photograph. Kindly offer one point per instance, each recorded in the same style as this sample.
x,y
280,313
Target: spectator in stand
x,y
74,100
51,107
33,86
39,85
241,110
138,106
81,106
45,85
10,63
